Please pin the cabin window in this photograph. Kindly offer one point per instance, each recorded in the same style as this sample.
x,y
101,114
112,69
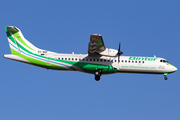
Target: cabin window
x,y
69,59
90,59
97,59
135,61
139,61
86,59
58,58
114,60
76,59
79,59
142,61
62,58
125,61
65,58
72,58
108,60
82,59
129,61
104,60
101,60
132,61
122,61
94,59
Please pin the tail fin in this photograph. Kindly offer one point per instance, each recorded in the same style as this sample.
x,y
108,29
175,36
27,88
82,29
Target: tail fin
x,y
17,42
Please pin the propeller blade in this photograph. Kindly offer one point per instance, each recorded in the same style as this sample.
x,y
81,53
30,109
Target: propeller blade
x,y
119,47
118,59
119,52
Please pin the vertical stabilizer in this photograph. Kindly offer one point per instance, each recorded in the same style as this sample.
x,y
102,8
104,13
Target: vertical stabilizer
x,y
17,42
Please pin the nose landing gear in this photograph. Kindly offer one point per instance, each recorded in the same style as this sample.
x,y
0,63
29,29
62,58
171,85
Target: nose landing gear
x,y
97,74
165,76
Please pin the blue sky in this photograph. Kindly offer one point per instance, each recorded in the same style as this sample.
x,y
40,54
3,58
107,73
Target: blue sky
x,y
144,28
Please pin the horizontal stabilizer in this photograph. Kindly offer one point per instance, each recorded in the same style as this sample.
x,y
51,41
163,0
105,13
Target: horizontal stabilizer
x,y
14,57
12,29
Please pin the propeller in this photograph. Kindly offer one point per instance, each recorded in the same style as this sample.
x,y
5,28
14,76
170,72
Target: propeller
x,y
119,52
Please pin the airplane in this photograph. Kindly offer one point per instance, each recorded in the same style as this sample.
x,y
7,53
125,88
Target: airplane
x,y
99,60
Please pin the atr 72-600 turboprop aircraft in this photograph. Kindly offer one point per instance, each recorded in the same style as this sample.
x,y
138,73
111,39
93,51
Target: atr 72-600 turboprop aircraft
x,y
99,60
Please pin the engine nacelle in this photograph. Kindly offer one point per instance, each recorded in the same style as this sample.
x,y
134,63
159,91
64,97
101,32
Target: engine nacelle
x,y
109,52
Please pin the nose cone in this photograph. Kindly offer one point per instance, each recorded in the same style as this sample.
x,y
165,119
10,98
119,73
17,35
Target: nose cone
x,y
175,69
172,68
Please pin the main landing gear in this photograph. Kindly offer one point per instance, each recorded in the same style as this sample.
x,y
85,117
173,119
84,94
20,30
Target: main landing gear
x,y
97,74
165,76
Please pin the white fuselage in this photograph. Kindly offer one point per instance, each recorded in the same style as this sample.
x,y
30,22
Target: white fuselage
x,y
126,64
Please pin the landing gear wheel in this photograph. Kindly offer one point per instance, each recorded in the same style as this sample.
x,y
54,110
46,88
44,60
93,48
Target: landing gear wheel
x,y
165,77
97,74
97,78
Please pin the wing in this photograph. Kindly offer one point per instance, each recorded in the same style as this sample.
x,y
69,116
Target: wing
x,y
96,44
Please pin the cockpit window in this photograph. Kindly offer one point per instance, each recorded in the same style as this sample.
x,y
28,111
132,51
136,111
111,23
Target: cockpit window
x,y
163,60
